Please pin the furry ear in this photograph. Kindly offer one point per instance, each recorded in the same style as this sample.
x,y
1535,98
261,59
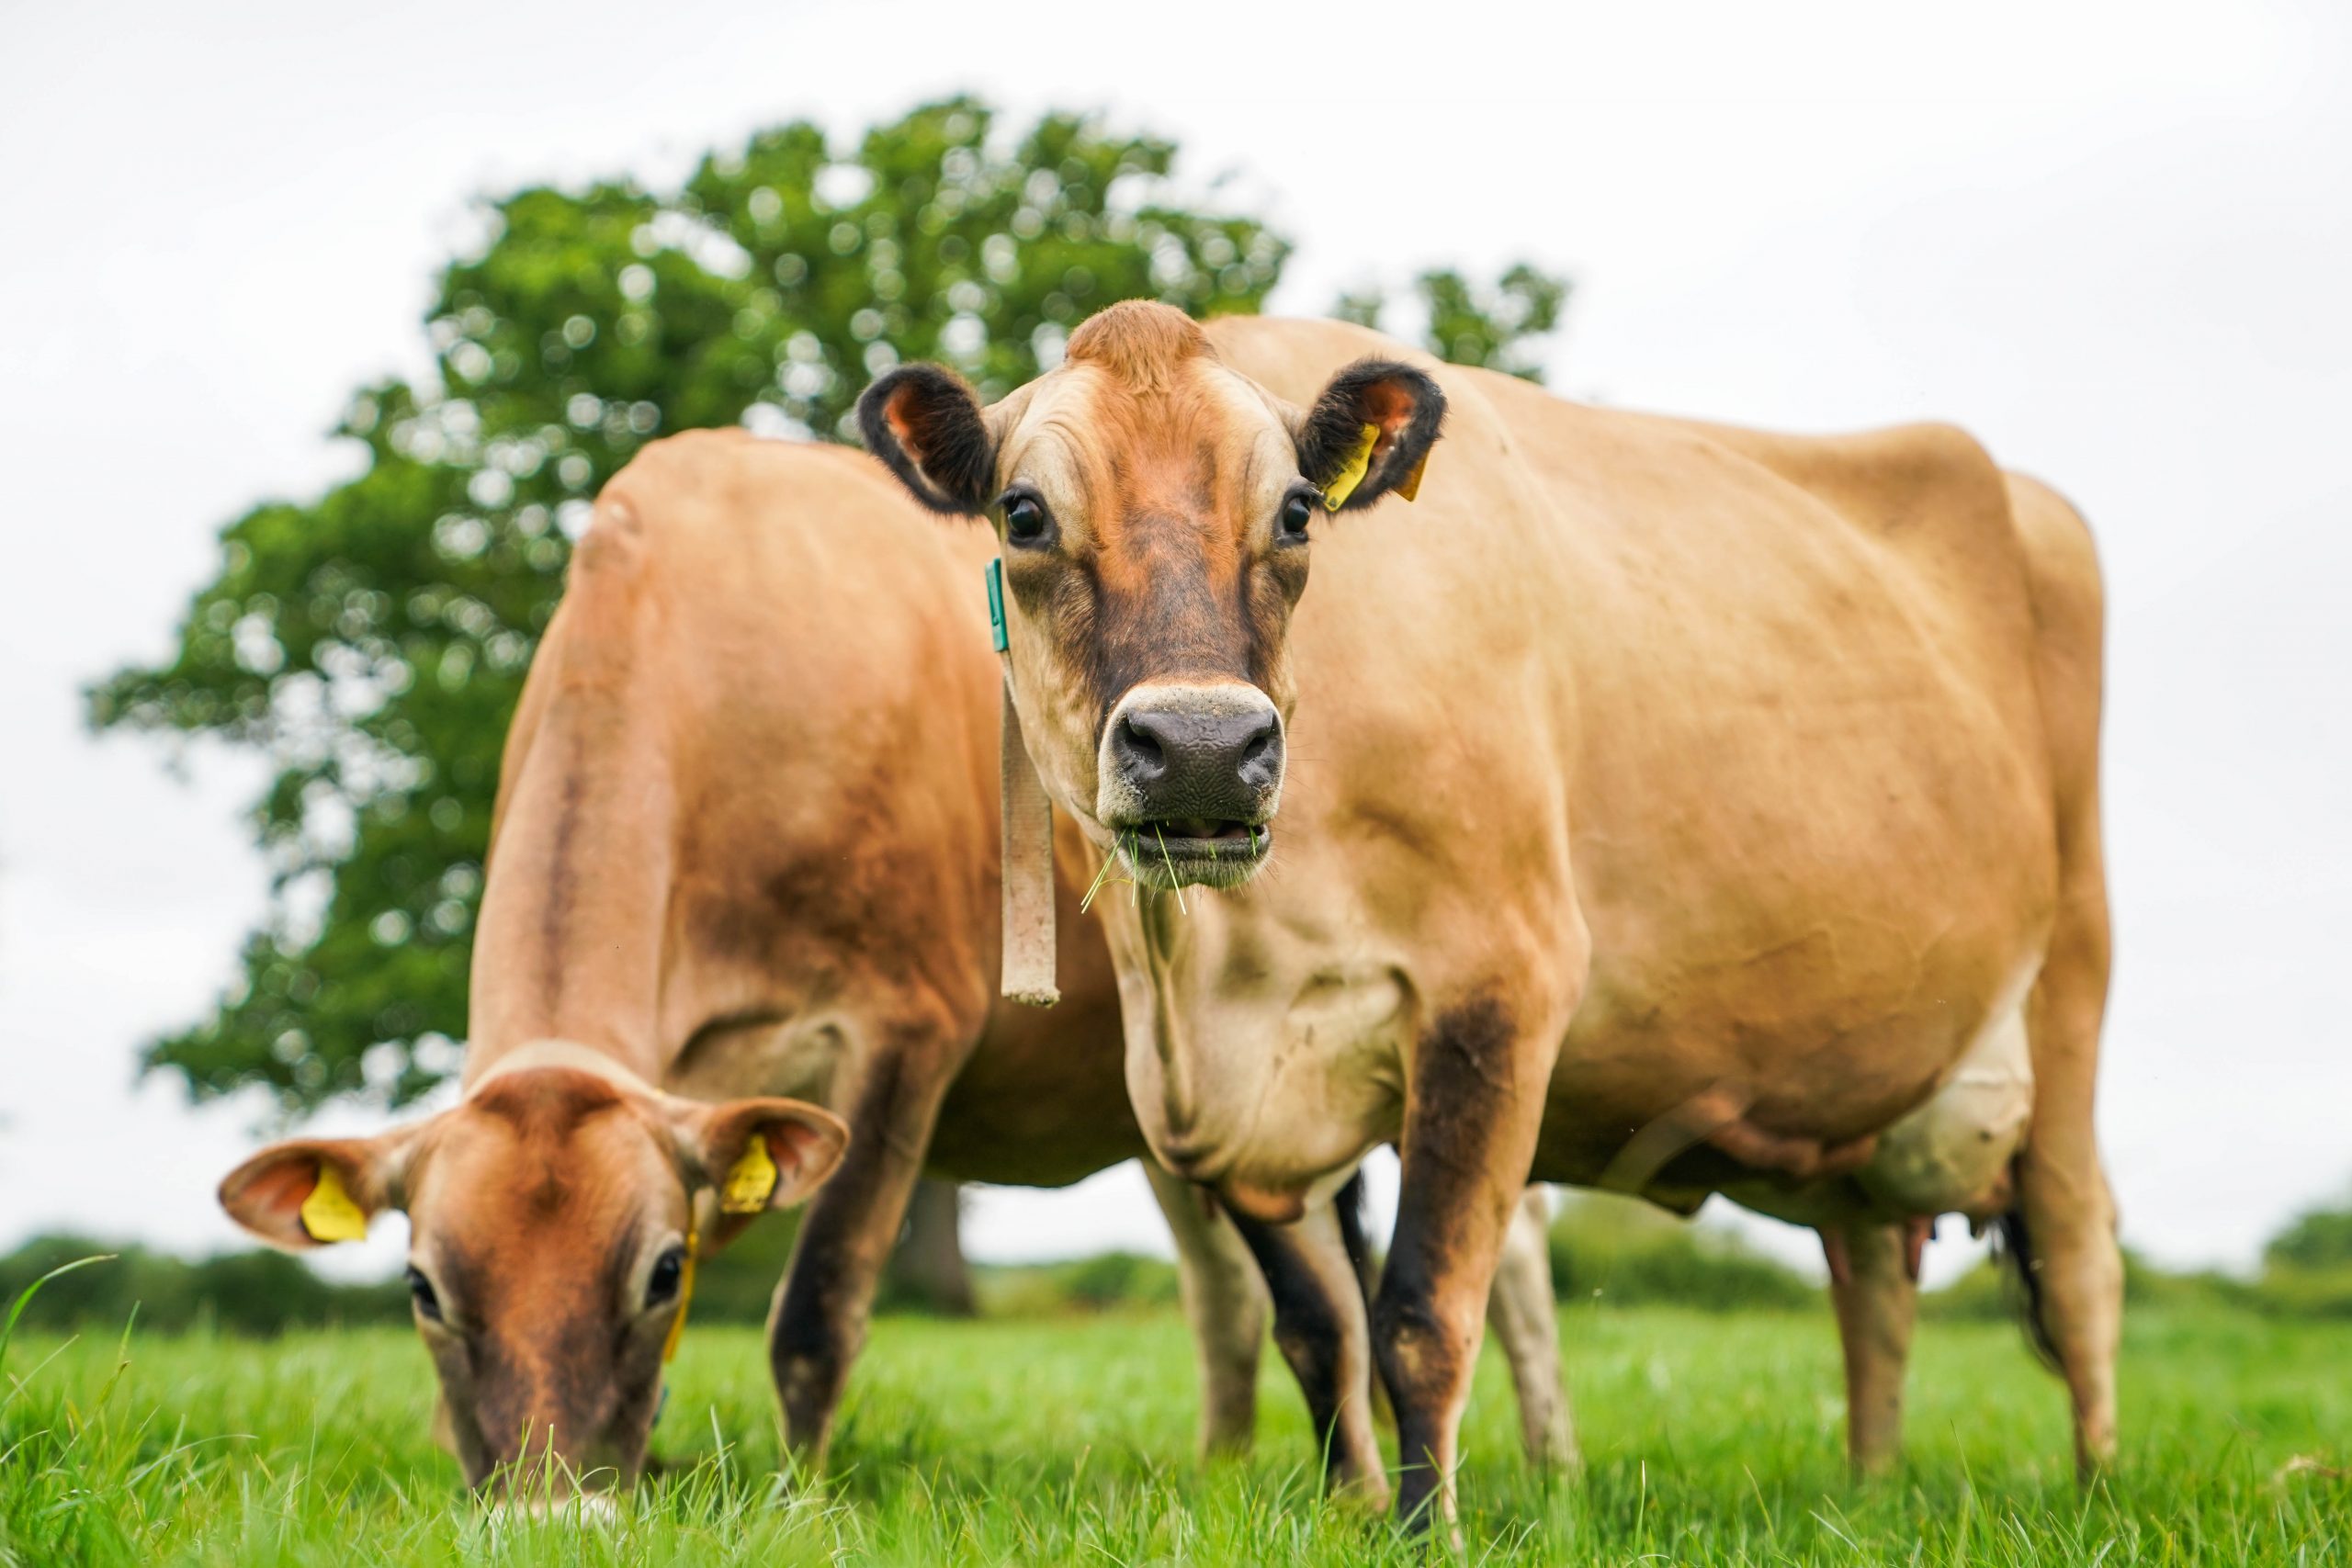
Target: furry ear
x,y
307,1193
758,1154
1400,406
925,423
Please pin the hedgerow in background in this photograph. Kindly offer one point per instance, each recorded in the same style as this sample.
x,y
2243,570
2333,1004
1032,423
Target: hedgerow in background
x,y
371,643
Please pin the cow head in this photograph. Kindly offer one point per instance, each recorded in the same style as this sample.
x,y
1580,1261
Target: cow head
x,y
1156,512
549,1217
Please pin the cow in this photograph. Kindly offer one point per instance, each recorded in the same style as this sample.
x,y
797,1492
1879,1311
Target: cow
x,y
737,946
1649,804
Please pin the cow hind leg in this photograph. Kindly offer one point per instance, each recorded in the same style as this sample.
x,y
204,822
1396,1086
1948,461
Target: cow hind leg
x,y
1321,1329
2065,1215
1225,1302
1876,1294
2061,1231
1521,1310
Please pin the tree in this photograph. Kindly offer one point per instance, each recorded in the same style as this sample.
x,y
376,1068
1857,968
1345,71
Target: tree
x,y
2318,1238
1471,324
372,643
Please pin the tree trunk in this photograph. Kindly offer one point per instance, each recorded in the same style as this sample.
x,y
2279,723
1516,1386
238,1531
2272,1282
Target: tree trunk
x,y
928,1268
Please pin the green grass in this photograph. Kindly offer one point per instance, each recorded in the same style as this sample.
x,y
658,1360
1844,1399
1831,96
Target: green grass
x,y
1711,1440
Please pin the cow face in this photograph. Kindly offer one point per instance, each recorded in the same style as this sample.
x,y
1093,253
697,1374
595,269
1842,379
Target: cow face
x,y
550,1215
1156,512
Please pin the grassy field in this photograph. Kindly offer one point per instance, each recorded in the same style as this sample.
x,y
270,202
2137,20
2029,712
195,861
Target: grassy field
x,y
1710,1439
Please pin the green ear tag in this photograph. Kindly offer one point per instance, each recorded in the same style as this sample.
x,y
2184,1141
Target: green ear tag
x,y
995,576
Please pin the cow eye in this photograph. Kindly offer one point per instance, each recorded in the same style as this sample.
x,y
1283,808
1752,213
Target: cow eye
x,y
661,1285
1025,519
1297,512
420,1291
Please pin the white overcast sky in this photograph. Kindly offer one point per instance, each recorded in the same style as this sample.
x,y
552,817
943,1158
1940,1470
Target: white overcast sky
x,y
2114,241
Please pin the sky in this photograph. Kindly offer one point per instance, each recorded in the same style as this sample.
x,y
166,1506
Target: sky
x,y
2112,241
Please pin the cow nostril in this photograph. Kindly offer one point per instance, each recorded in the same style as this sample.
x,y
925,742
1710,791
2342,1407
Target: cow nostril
x,y
1140,748
1262,748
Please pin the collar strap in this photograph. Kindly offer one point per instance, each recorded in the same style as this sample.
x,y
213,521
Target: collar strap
x,y
1028,841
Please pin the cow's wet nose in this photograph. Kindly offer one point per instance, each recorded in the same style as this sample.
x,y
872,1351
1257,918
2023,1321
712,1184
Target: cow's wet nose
x,y
1197,761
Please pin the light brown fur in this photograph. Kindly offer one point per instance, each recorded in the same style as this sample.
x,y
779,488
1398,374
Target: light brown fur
x,y
746,844
1642,767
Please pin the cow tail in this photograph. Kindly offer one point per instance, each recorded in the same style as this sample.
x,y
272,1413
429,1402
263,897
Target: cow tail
x,y
2012,1244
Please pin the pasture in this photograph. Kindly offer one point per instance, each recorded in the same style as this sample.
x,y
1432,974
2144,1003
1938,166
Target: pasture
x,y
1709,1439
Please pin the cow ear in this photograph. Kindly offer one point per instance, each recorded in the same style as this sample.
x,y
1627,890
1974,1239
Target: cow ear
x,y
309,1192
757,1154
925,423
1370,432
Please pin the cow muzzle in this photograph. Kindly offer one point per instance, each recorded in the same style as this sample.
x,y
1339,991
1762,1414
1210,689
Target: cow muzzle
x,y
1188,781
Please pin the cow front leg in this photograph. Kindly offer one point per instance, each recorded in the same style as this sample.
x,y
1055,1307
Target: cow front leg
x,y
818,1323
1225,1302
1523,1311
1474,1099
1874,1285
1321,1329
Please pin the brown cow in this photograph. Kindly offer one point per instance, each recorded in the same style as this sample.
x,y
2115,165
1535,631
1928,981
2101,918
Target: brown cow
x,y
1675,808
746,844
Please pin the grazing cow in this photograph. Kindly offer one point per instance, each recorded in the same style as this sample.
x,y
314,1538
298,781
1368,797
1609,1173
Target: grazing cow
x,y
746,844
1653,806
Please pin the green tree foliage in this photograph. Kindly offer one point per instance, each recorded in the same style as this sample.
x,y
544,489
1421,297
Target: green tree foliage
x,y
243,1292
2318,1238
1496,326
1624,1252
371,644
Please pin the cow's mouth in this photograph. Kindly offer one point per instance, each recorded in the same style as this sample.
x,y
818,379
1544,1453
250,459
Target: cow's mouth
x,y
1177,852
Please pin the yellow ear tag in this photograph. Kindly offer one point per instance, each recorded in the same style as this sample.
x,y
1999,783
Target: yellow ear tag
x,y
329,1214
1352,472
685,1299
752,1182
1411,486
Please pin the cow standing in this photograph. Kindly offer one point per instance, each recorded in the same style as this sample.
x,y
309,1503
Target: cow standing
x,y
1652,804
745,845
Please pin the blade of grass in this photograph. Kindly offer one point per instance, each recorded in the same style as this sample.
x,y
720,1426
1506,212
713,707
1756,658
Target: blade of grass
x,y
24,1298
1169,860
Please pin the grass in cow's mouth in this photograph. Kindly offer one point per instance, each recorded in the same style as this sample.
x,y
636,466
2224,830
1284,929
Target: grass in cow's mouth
x,y
1127,840
1171,864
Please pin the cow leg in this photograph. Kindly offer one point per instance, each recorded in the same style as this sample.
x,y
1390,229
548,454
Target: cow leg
x,y
1876,1295
1473,1102
1225,1302
2065,1215
1522,1313
818,1323
2073,1268
1320,1327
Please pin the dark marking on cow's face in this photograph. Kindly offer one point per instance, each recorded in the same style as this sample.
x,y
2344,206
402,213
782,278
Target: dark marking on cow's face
x,y
1155,510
